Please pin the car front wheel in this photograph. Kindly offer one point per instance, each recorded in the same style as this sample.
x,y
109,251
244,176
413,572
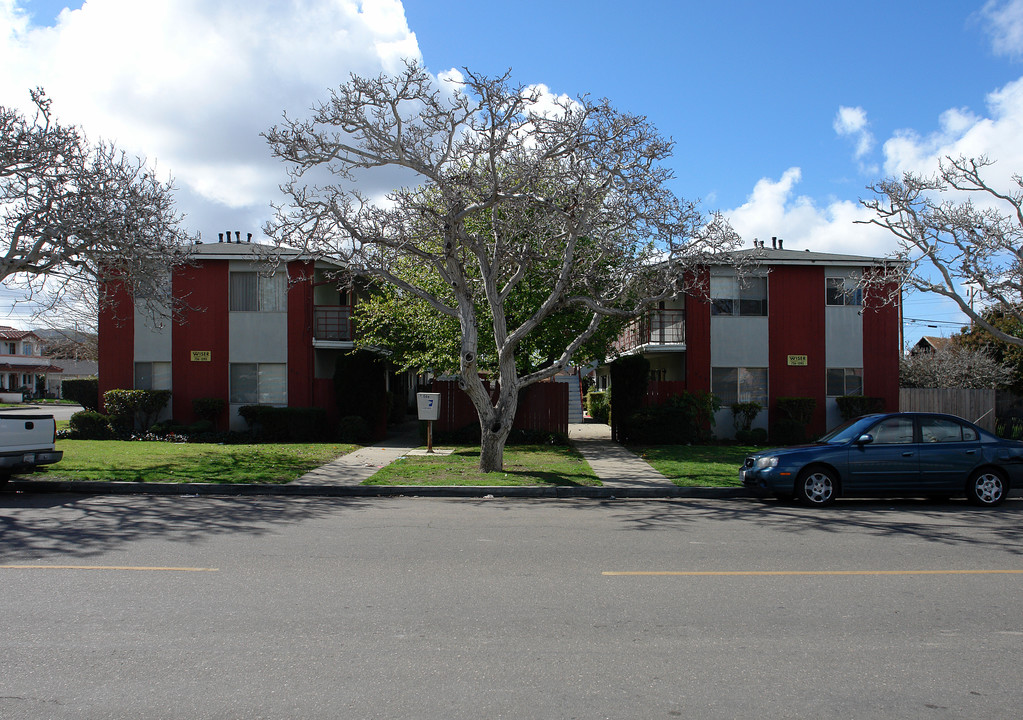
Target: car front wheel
x,y
987,487
817,486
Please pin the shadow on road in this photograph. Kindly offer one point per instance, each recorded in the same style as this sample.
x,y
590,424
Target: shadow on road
x,y
81,526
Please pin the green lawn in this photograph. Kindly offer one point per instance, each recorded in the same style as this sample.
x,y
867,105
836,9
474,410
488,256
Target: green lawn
x,y
523,465
697,465
188,462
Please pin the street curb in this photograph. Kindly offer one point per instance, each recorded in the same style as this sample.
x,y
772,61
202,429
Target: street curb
x,y
556,492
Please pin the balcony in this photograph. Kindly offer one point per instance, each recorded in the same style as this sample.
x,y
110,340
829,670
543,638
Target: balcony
x,y
332,323
657,330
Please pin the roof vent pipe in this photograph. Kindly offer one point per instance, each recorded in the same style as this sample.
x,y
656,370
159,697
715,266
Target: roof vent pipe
x,y
238,236
250,238
780,245
221,237
228,233
774,242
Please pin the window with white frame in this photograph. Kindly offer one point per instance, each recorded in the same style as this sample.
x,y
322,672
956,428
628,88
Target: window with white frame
x,y
746,297
259,383
739,384
152,376
255,292
843,291
845,381
26,348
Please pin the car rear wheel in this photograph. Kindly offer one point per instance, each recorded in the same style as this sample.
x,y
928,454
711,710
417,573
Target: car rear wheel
x,y
817,486
987,488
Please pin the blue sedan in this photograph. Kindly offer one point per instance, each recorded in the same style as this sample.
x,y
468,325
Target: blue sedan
x,y
901,454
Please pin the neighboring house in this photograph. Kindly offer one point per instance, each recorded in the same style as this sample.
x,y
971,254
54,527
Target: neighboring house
x,y
929,344
799,326
23,369
70,370
242,335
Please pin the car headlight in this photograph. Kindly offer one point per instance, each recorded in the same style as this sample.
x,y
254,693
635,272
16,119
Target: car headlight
x,y
766,462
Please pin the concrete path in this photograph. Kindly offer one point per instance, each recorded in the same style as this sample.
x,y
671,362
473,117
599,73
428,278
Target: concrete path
x,y
613,464
353,468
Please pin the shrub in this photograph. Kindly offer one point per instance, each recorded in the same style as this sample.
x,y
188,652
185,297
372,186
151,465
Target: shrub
x,y
685,418
208,408
353,429
285,424
597,405
795,414
84,391
90,425
134,409
360,387
852,406
755,436
743,415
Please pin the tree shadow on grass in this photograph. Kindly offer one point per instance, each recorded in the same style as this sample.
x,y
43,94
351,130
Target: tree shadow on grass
x,y
36,527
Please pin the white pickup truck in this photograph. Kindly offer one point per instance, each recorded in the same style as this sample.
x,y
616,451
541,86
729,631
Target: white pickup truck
x,y
26,441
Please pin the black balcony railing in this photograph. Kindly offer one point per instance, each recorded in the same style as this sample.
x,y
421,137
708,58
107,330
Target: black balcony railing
x,y
332,322
660,327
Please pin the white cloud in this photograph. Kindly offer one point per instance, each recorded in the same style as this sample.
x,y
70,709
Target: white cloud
x,y
190,84
774,209
852,122
1004,23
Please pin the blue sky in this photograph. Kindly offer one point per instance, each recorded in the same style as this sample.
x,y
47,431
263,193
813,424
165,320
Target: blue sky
x,y
782,111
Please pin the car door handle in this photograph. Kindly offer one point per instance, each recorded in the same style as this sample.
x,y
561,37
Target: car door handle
x,y
971,452
907,454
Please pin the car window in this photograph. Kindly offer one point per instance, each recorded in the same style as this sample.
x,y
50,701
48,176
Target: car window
x,y
893,431
940,430
944,430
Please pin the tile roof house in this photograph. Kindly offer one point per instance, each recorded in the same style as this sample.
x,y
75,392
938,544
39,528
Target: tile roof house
x,y
23,369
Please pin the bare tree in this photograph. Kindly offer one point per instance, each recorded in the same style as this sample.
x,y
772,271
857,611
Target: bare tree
x,y
507,187
73,211
953,366
970,252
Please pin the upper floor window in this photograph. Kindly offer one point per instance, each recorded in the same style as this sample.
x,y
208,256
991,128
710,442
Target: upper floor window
x,y
843,291
738,296
255,292
10,348
26,348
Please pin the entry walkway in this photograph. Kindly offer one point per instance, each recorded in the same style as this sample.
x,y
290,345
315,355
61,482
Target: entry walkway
x,y
613,464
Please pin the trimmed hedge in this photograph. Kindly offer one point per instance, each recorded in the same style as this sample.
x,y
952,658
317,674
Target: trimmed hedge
x,y
84,391
794,414
684,419
286,424
597,405
131,410
90,425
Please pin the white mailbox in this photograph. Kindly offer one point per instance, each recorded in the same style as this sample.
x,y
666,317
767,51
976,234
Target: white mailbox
x,y
429,406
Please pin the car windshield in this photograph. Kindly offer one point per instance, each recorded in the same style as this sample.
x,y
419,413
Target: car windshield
x,y
848,431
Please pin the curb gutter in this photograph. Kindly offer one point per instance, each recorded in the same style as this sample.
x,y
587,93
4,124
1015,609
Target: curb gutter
x,y
557,491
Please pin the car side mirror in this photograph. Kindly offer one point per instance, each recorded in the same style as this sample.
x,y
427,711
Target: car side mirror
x,y
864,439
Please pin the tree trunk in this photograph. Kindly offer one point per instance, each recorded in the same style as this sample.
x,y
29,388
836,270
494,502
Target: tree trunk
x,y
492,448
495,426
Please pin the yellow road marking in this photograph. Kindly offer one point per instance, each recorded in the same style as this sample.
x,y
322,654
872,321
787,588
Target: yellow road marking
x,y
107,567
758,573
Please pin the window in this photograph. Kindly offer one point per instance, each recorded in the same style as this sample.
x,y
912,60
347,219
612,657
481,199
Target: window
x,y
253,292
939,430
893,431
10,348
843,291
733,385
259,383
845,381
152,376
26,348
731,296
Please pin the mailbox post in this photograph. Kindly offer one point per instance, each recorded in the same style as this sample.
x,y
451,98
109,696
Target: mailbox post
x,y
429,410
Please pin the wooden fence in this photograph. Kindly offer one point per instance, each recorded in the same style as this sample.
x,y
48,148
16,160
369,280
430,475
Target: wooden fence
x,y
977,406
542,407
659,392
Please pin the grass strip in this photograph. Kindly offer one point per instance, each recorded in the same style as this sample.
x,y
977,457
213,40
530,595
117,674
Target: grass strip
x,y
523,465
117,460
697,465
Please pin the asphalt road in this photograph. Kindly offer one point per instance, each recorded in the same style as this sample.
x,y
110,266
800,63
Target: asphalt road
x,y
151,607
